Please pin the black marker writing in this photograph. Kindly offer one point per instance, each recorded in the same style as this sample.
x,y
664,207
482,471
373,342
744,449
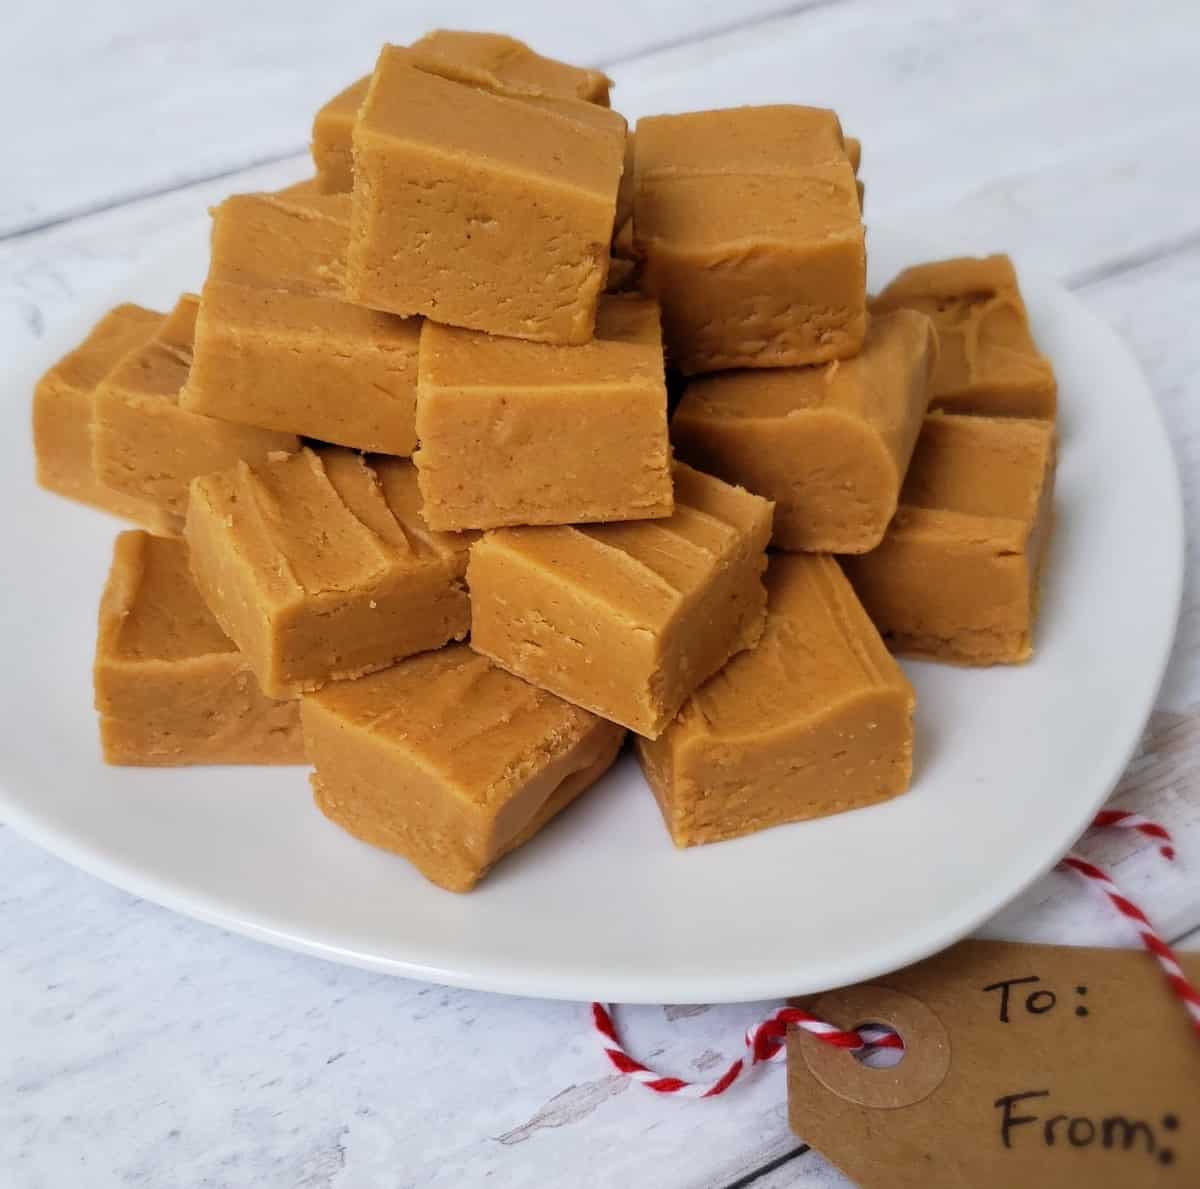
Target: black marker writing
x,y
1007,1119
1005,985
1111,1133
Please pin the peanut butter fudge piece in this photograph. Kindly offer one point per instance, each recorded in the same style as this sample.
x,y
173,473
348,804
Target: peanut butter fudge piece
x,y
989,362
278,347
487,60
626,619
956,577
64,404
504,64
450,761
817,719
829,444
293,239
749,226
319,566
516,433
332,136
171,687
479,209
145,445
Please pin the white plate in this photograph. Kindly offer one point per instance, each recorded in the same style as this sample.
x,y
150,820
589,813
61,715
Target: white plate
x,y
1011,763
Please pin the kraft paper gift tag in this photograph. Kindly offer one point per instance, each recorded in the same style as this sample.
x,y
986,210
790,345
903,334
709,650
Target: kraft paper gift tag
x,y
1028,1066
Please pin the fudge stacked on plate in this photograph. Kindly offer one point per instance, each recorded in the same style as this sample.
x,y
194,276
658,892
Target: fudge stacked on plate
x,y
416,514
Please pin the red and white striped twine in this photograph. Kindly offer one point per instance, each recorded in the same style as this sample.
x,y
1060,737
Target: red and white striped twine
x,y
765,1040
1122,819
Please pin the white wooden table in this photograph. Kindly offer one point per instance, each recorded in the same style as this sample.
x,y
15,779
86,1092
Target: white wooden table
x,y
142,1049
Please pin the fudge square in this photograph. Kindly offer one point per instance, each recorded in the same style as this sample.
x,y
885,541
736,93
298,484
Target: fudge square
x,y
517,433
956,577
276,344
487,60
64,405
989,363
749,227
626,620
817,719
319,566
450,761
332,138
829,443
145,445
482,210
171,688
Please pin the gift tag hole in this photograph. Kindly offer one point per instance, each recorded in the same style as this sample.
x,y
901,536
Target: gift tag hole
x,y
877,1056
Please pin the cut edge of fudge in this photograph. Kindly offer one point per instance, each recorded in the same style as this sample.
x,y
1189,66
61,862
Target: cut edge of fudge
x,y
310,231
503,422
755,272
135,397
531,223
170,688
330,143
248,335
1005,534
64,411
843,431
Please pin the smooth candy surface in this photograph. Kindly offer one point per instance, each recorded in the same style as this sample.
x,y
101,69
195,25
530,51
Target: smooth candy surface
x,y
147,447
517,433
482,210
320,567
171,688
956,577
748,223
626,619
816,719
64,403
449,760
277,345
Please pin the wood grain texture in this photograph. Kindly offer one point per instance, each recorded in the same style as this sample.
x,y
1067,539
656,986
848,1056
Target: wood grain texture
x,y
159,95
150,1049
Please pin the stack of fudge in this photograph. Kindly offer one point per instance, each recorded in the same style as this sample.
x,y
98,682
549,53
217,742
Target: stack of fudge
x,y
412,510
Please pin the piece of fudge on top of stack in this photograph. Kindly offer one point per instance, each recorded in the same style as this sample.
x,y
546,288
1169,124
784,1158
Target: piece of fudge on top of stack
x,y
749,228
414,432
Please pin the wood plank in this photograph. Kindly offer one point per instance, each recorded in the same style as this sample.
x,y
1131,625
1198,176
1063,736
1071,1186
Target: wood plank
x,y
298,1072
